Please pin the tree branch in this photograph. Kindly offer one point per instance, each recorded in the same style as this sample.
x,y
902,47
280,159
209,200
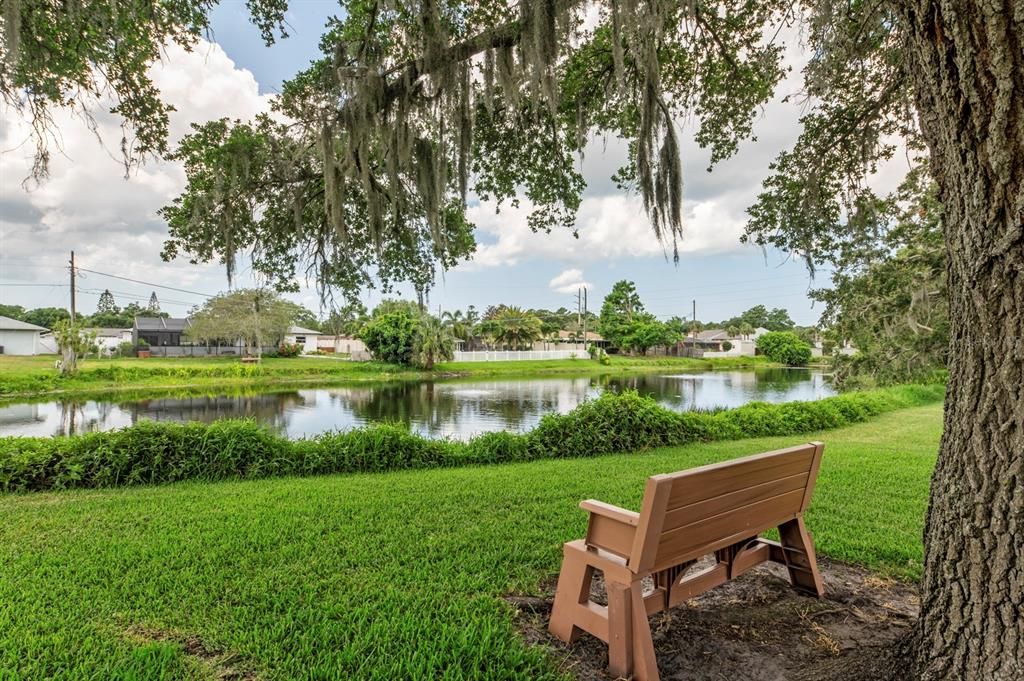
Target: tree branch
x,y
409,72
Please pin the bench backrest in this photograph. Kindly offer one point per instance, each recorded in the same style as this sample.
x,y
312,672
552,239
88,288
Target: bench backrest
x,y
689,514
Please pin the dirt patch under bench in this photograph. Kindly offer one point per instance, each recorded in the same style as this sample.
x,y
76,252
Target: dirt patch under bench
x,y
756,628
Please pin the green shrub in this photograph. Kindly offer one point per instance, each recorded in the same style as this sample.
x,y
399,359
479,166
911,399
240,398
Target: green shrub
x,y
390,337
784,347
498,447
289,350
158,452
611,423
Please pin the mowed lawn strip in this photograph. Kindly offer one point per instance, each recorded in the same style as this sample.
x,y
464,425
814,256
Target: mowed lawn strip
x,y
27,376
385,576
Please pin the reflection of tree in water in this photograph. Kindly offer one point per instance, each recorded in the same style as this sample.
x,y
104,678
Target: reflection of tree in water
x,y
439,408
778,377
74,418
715,389
399,402
269,409
69,418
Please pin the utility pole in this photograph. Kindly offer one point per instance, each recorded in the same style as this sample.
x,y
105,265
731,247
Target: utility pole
x,y
72,287
584,318
695,314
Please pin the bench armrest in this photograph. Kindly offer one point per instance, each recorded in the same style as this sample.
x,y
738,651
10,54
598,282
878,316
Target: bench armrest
x,y
613,512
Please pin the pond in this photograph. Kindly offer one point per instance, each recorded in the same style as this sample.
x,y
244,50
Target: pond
x,y
457,408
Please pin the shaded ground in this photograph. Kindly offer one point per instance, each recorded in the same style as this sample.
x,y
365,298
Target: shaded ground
x,y
756,628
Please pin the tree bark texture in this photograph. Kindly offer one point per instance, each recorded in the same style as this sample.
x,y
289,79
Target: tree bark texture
x,y
967,63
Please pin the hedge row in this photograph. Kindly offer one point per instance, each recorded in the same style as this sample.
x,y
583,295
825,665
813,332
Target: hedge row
x,y
157,452
39,381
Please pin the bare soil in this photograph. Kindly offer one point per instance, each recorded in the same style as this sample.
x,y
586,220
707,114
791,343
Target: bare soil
x,y
219,664
756,628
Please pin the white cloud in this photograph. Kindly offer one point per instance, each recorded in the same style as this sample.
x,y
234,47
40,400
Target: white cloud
x,y
569,281
88,205
612,226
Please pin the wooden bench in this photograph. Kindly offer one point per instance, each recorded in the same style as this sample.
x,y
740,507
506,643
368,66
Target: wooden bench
x,y
718,509
250,360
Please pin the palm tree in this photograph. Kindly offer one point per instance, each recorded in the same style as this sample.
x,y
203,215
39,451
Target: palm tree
x,y
516,329
455,321
433,342
472,320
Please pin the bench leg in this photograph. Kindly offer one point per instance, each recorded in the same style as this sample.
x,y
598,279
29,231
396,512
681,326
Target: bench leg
x,y
798,551
620,630
573,589
645,664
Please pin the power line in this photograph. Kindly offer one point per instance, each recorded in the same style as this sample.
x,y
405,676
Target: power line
x,y
147,283
133,296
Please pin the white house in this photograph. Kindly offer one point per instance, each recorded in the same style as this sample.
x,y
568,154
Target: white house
x,y
19,338
712,343
109,340
348,345
305,338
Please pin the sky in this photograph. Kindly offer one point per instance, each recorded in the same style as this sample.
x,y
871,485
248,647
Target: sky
x,y
111,222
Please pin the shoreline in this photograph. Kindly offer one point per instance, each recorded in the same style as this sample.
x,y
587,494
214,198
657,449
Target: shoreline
x,y
100,377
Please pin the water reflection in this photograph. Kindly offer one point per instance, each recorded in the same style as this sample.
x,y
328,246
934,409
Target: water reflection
x,y
458,408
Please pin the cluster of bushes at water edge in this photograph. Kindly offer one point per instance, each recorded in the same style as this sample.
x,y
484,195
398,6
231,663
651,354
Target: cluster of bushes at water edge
x,y
158,452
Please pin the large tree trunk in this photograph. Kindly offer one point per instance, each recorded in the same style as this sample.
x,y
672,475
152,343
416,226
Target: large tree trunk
x,y
967,59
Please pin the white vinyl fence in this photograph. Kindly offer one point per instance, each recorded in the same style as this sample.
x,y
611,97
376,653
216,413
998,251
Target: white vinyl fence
x,y
200,350
516,355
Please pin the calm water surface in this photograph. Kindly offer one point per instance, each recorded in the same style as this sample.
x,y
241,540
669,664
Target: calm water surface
x,y
456,408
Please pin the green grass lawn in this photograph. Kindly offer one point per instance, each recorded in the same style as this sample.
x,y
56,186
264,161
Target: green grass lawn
x,y
384,576
28,376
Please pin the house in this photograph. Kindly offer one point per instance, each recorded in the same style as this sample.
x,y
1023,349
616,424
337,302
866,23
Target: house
x,y
20,338
710,340
571,340
109,339
159,331
348,345
720,343
576,337
305,338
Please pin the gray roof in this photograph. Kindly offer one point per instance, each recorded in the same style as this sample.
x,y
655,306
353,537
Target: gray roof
x,y
713,334
108,331
162,323
298,330
8,324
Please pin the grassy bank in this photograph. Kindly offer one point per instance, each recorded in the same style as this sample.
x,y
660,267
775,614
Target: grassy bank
x,y
375,576
33,376
152,452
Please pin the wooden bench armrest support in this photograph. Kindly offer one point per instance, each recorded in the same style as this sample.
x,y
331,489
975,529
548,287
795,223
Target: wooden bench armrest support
x,y
613,512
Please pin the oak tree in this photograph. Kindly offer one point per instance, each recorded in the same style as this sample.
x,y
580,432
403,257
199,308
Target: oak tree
x,y
363,175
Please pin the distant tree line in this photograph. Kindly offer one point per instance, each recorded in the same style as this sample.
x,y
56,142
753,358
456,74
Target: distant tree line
x,y
107,315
